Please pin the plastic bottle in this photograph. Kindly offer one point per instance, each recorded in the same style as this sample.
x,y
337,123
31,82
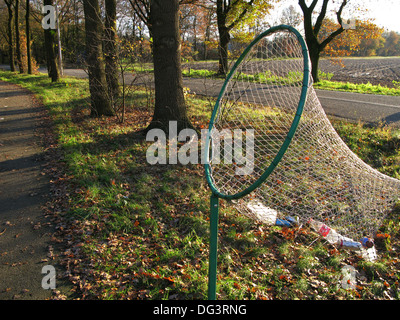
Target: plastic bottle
x,y
287,222
328,233
351,245
365,245
367,242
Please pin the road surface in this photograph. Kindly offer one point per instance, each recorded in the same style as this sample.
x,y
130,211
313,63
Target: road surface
x,y
367,108
357,106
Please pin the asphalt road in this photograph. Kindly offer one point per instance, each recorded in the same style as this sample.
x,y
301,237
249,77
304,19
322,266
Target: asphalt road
x,y
357,106
367,108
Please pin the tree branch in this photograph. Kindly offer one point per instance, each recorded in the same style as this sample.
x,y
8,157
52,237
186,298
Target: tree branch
x,y
142,13
339,13
339,30
304,7
321,17
241,16
330,38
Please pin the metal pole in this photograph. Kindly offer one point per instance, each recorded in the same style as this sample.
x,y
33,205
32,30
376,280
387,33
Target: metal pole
x,y
212,271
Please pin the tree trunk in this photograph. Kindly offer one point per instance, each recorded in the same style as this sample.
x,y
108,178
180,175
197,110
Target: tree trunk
x,y
17,39
59,55
314,57
224,37
314,52
28,38
110,49
11,49
100,102
169,98
315,47
51,57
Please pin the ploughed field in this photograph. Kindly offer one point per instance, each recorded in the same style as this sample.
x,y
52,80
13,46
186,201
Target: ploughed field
x,y
363,70
355,70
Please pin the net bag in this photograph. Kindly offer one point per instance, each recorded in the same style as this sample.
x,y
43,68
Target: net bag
x,y
272,150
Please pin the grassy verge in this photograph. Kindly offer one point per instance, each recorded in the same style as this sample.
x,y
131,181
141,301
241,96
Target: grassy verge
x,y
136,231
359,88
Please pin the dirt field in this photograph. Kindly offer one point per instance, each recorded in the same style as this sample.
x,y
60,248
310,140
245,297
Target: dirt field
x,y
356,70
362,70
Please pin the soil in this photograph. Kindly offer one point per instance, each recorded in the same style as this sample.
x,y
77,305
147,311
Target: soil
x,y
363,70
355,70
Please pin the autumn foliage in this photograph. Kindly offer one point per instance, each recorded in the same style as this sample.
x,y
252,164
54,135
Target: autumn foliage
x,y
351,41
24,55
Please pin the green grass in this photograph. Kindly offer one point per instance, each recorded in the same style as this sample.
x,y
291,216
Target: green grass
x,y
367,88
136,231
325,82
199,73
379,145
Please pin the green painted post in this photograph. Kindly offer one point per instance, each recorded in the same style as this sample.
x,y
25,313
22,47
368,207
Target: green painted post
x,y
212,271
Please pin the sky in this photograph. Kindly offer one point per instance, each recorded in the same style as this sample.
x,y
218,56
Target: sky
x,y
386,13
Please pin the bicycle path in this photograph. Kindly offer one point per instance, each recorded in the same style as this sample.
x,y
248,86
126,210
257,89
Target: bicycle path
x,y
25,233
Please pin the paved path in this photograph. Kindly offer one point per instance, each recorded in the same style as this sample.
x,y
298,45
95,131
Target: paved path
x,y
25,233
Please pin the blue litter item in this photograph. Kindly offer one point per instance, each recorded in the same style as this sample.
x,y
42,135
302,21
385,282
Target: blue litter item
x,y
367,242
348,244
286,222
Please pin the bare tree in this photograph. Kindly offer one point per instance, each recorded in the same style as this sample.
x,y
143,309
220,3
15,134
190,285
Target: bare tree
x,y
315,46
142,11
291,17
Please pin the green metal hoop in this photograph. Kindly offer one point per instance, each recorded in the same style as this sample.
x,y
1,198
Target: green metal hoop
x,y
292,130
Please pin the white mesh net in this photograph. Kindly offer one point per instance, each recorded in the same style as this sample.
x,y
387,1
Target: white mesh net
x,y
318,177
